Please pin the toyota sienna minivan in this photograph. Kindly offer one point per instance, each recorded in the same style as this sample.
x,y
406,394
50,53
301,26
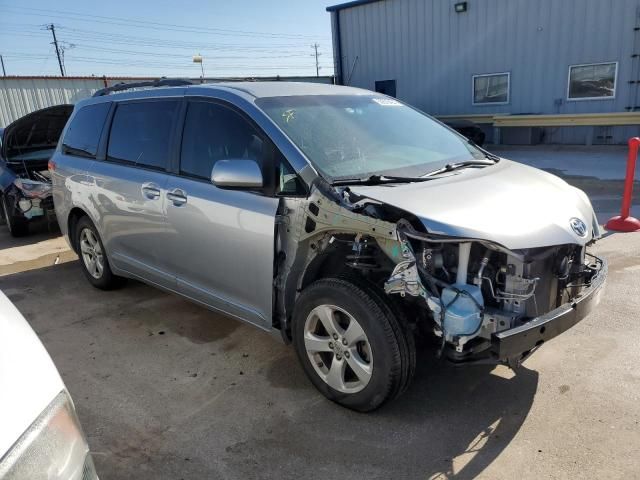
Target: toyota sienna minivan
x,y
343,220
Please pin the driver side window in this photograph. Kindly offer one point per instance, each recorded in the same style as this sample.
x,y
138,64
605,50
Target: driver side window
x,y
214,132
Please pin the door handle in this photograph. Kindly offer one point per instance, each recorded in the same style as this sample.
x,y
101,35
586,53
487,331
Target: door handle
x,y
151,190
177,197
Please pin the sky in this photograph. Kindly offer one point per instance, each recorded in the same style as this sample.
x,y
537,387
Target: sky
x,y
159,38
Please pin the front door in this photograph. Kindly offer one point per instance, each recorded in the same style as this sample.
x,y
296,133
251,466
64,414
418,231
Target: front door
x,y
222,244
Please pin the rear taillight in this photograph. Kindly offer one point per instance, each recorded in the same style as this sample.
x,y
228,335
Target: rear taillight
x,y
51,165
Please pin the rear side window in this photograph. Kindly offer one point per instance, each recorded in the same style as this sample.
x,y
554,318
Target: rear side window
x,y
83,135
141,133
214,132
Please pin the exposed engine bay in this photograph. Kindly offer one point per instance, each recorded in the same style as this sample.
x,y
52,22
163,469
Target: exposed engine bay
x,y
466,291
27,145
474,290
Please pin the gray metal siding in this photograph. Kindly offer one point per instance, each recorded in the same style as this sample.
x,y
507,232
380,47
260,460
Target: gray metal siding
x,y
433,52
19,97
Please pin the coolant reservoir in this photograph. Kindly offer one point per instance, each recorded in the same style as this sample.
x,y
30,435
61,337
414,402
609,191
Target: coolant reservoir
x,y
462,317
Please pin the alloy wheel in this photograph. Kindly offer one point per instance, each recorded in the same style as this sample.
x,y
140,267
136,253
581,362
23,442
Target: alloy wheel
x,y
91,253
338,348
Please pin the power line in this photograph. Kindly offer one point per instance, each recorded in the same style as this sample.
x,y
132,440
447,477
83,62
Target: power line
x,y
151,25
179,55
247,54
108,38
75,32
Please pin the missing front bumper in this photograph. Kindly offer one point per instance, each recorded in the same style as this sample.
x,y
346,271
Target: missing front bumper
x,y
516,343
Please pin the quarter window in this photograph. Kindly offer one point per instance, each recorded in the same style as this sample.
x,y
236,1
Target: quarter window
x,y
491,88
83,135
214,132
592,81
141,133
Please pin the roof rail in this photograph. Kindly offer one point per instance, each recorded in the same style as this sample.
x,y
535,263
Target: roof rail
x,y
160,82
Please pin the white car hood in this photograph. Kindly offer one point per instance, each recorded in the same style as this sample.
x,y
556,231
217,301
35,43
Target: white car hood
x,y
508,203
28,378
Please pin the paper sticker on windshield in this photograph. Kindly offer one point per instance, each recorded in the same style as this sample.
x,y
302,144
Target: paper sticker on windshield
x,y
387,102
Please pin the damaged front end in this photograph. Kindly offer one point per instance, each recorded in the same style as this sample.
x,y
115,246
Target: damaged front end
x,y
484,301
25,181
27,198
488,302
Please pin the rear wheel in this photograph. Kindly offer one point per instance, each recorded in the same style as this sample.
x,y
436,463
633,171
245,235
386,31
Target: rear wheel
x,y
18,227
93,258
353,346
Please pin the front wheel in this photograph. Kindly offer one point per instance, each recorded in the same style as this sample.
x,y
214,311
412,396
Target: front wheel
x,y
354,347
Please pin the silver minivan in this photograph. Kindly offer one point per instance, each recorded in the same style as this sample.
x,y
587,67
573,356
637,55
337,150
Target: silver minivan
x,y
343,220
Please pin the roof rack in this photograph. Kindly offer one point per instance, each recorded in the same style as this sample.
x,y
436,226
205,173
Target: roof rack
x,y
160,82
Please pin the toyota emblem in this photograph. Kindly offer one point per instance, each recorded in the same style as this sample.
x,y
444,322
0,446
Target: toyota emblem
x,y
578,226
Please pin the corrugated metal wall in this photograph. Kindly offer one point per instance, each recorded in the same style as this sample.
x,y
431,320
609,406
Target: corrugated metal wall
x,y
22,95
19,96
432,52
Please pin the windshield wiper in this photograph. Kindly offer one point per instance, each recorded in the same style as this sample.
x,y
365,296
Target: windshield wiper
x,y
382,179
450,167
378,180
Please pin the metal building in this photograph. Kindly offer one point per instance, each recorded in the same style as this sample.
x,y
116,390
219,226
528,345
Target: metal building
x,y
482,58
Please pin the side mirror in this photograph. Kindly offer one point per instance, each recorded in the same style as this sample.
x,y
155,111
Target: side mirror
x,y
237,174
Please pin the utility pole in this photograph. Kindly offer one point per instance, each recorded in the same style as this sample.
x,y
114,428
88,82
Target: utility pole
x,y
4,72
55,42
316,54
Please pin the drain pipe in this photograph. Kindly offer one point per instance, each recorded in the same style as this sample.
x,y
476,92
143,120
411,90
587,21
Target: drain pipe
x,y
464,250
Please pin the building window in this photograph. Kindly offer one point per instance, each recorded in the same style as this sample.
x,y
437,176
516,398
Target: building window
x,y
491,89
592,81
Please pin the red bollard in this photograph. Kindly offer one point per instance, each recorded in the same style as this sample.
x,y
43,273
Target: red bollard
x,y
623,222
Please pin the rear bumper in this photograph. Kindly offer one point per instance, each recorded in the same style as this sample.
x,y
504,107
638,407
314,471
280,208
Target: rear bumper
x,y
518,342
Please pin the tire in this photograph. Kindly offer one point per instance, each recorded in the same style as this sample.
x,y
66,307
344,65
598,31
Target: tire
x,y
18,227
384,356
89,246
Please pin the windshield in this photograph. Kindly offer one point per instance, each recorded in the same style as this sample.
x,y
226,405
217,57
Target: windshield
x,y
355,136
